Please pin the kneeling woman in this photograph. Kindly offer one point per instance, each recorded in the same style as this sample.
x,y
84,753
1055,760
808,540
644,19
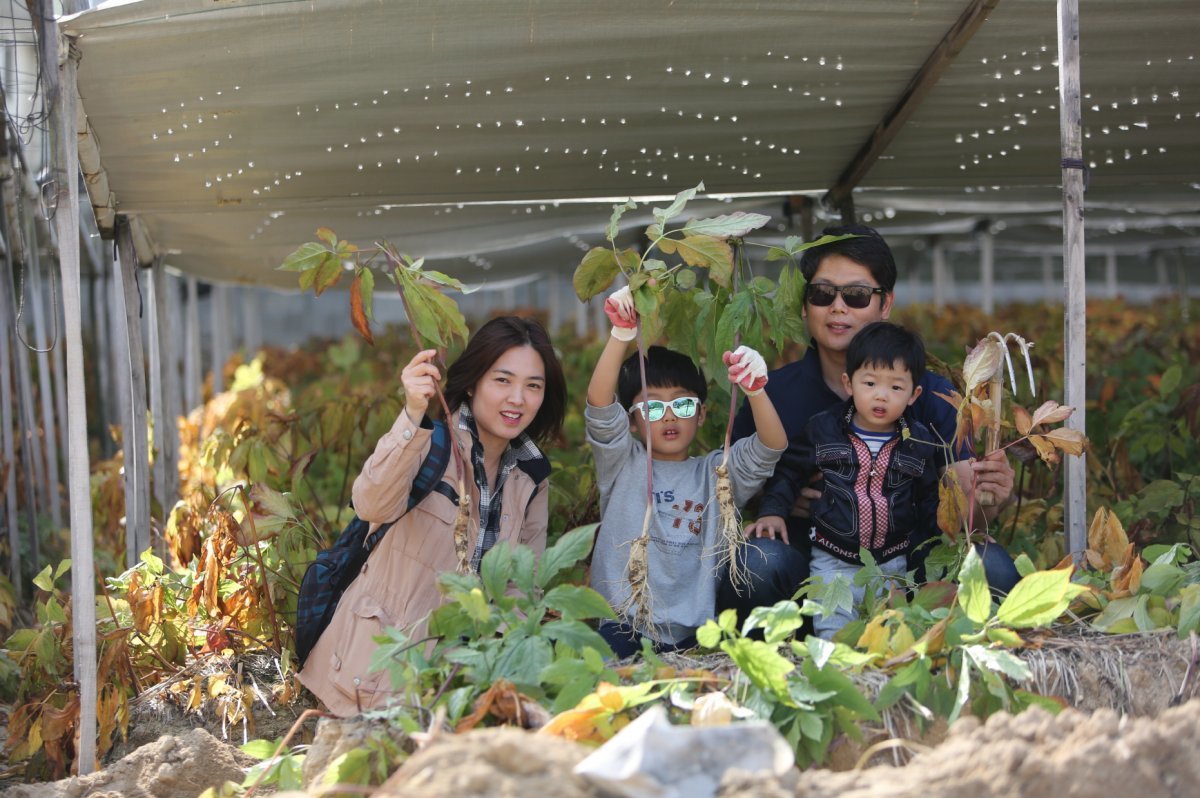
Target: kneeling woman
x,y
505,391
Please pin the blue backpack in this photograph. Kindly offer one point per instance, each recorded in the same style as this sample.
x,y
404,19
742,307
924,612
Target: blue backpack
x,y
328,576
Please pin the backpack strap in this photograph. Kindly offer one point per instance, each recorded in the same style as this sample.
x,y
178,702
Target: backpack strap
x,y
428,479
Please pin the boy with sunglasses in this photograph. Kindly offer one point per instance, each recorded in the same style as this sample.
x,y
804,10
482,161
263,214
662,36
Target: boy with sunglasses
x,y
850,284
684,530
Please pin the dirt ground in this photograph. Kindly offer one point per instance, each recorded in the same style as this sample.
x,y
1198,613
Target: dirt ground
x,y
1126,741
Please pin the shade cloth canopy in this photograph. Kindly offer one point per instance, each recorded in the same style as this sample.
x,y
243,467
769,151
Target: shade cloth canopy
x,y
474,128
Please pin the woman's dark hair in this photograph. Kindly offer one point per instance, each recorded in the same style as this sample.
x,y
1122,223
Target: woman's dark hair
x,y
868,249
486,347
665,368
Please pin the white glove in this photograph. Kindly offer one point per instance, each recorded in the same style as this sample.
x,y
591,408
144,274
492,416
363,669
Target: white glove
x,y
623,315
747,370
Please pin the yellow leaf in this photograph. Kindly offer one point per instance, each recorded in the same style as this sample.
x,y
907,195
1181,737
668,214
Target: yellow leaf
x,y
1021,418
875,637
197,696
610,697
216,686
1071,441
1045,449
902,640
952,505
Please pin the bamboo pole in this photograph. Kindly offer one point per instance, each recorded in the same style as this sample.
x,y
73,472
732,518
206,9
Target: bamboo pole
x,y
1075,322
219,305
1048,277
31,448
939,276
155,375
134,437
58,358
1112,289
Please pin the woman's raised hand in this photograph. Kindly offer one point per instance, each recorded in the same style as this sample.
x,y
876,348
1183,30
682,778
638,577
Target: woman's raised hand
x,y
420,379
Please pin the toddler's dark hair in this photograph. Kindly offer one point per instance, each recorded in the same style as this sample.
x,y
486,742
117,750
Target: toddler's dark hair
x,y
882,344
665,368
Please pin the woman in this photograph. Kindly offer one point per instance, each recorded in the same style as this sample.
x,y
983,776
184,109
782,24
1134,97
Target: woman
x,y
505,391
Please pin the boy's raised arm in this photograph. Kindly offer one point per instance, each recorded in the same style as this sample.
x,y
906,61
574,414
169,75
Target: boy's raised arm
x,y
748,370
620,311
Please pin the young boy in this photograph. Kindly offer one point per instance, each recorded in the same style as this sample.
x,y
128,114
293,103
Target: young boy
x,y
684,529
880,466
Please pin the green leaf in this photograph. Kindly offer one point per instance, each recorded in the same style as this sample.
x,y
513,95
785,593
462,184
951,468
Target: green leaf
x,y
475,604
1116,610
1170,383
523,569
1000,661
727,621
832,680
496,569
1189,610
352,767
423,312
576,634
578,602
327,275
260,749
664,215
964,689
734,318
595,273
449,318
614,222
1024,565
44,580
272,501
777,253
762,664
973,594
734,225
522,660
1162,579
62,568
307,256
328,236
704,252
366,289
709,635
1038,599
777,622
685,279
570,549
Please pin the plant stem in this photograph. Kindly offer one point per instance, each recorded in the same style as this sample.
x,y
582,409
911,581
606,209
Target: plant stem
x,y
263,571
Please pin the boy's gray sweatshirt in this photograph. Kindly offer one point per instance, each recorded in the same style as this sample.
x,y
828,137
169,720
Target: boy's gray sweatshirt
x,y
684,530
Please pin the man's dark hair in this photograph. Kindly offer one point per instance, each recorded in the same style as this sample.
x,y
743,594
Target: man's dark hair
x,y
486,346
665,368
883,344
868,249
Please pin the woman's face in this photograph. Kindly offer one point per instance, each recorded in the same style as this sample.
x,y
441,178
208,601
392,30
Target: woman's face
x,y
507,398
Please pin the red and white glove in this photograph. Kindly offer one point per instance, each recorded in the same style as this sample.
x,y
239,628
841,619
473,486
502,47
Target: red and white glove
x,y
747,370
623,315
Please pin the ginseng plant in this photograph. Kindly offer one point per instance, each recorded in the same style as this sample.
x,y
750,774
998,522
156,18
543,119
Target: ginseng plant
x,y
981,415
432,317
702,320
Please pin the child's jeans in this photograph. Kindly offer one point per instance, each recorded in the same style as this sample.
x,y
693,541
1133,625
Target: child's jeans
x,y
828,567
625,642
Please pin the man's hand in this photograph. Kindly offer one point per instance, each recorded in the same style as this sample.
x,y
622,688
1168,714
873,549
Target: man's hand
x,y
802,508
993,473
769,526
747,370
623,315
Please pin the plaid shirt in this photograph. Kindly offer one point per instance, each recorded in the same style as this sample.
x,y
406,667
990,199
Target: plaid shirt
x,y
522,448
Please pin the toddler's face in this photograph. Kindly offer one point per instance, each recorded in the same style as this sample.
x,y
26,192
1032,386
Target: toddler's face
x,y
673,432
881,394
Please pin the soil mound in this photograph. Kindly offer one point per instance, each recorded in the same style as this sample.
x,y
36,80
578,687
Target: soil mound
x,y
1031,754
170,767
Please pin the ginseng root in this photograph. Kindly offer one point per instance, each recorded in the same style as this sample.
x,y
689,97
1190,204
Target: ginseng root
x,y
730,542
461,547
638,608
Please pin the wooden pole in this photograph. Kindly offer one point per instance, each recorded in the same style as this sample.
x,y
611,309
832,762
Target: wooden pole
x,y
66,219
1075,323
31,448
134,437
939,276
987,271
166,430
219,299
44,344
252,300
1112,290
100,299
155,375
6,432
1048,277
192,372
58,358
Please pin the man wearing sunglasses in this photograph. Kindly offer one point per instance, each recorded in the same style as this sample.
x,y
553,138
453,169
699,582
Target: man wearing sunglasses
x,y
849,285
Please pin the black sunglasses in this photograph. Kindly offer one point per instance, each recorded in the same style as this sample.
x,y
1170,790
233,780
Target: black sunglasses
x,y
855,296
